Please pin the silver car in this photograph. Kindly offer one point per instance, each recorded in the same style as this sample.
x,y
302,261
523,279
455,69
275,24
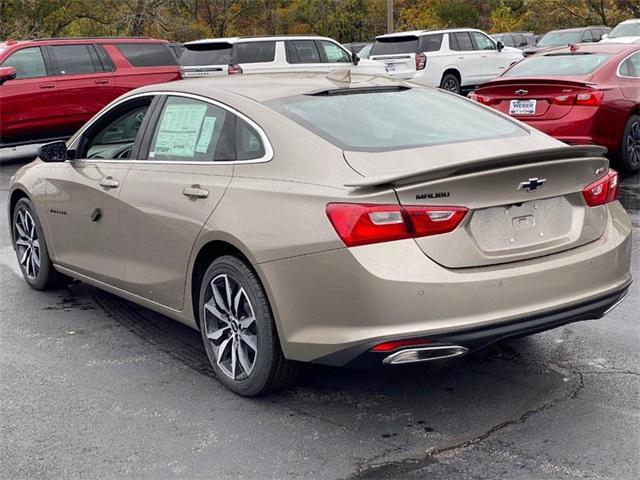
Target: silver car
x,y
347,221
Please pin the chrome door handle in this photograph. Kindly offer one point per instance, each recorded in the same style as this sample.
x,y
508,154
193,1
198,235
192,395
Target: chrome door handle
x,y
109,182
194,191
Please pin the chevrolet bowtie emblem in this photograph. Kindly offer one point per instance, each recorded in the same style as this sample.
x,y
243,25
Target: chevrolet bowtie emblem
x,y
532,184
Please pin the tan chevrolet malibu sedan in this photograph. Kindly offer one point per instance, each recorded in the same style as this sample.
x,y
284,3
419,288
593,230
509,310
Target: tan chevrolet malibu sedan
x,y
296,218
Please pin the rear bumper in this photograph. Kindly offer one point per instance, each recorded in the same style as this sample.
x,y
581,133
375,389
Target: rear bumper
x,y
347,300
475,338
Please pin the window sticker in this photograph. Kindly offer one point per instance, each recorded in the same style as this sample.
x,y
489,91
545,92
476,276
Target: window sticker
x,y
208,126
179,130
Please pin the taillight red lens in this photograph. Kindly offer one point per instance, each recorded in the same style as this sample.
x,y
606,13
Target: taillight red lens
x,y
564,99
421,61
363,224
234,69
395,344
590,99
483,99
604,190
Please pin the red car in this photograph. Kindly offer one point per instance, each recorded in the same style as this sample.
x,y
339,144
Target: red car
x,y
49,88
580,94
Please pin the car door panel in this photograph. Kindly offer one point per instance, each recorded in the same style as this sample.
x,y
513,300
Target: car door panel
x,y
468,60
83,195
168,198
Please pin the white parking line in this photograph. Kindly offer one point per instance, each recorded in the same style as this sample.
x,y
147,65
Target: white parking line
x,y
8,258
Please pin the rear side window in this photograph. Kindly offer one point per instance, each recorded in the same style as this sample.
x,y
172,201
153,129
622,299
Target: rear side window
x,y
460,41
147,54
73,59
248,143
255,52
28,63
395,45
193,131
302,51
564,64
200,54
631,67
431,43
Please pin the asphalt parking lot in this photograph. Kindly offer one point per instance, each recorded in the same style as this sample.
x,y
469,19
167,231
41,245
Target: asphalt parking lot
x,y
92,386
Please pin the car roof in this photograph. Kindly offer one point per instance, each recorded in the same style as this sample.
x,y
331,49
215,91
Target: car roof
x,y
427,32
578,29
76,40
257,38
265,87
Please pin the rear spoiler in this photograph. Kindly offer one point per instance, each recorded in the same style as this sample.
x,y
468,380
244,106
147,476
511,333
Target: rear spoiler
x,y
501,161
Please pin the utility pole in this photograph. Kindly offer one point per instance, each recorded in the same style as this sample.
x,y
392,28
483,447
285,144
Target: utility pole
x,y
389,16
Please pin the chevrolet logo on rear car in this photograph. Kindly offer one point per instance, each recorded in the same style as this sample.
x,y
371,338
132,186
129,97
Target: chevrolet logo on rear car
x,y
532,184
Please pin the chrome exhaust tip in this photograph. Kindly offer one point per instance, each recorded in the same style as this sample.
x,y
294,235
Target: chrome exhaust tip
x,y
425,354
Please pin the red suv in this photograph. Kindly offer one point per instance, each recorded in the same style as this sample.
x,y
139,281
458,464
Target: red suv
x,y
58,84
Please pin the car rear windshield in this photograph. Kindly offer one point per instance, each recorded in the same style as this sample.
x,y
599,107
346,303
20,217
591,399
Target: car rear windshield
x,y
219,53
555,39
626,30
394,45
147,54
569,64
382,119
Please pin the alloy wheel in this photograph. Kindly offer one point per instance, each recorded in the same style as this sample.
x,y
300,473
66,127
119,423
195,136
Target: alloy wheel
x,y
451,86
230,327
633,145
27,243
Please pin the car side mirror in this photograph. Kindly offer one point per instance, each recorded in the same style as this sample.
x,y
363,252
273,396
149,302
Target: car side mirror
x,y
7,73
53,152
355,58
500,45
604,35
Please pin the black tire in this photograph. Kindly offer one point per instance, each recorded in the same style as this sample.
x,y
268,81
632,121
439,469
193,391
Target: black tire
x,y
450,83
42,276
270,371
629,154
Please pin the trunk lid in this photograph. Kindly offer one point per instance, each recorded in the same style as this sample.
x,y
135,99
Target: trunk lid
x,y
532,99
521,205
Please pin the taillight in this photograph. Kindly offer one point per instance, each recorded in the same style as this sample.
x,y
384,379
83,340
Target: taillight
x,y
483,99
591,99
421,61
362,224
588,99
234,69
604,190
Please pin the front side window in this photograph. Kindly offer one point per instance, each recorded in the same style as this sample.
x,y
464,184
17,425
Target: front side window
x,y
383,119
191,130
255,52
302,51
334,53
461,42
631,67
113,137
72,59
28,63
482,41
